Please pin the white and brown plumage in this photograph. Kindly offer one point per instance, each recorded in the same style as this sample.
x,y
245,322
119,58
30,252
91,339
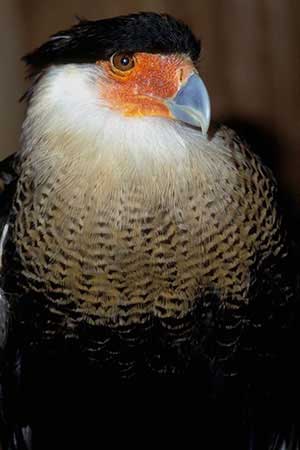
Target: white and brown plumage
x,y
140,245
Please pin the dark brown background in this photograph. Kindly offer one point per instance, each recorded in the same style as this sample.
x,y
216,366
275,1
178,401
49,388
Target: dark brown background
x,y
250,63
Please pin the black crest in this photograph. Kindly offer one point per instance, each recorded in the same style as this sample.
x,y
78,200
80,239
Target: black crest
x,y
89,41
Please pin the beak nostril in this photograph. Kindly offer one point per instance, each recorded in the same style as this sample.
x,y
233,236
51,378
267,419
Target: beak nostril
x,y
191,104
181,75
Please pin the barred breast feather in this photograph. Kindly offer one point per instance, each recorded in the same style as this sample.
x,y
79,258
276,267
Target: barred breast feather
x,y
151,249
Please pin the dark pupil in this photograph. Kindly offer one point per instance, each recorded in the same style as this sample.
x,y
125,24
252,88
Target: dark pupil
x,y
124,60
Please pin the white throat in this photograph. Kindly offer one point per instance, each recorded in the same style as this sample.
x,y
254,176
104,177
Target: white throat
x,y
72,138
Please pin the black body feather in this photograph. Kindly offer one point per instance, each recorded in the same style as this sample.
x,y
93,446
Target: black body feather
x,y
59,387
68,387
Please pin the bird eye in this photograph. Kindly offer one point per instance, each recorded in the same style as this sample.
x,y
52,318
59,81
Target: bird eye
x,y
122,61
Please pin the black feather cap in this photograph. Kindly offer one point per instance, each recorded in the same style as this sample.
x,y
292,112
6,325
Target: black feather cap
x,y
90,41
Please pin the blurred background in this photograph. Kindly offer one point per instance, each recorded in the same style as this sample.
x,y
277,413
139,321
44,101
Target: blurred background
x,y
250,63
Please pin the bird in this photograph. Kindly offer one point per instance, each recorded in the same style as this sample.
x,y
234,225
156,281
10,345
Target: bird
x,y
147,283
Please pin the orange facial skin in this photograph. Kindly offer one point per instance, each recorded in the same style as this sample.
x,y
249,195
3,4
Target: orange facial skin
x,y
142,90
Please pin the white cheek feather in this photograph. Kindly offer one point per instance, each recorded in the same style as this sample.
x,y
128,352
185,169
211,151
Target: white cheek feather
x,y
68,125
68,100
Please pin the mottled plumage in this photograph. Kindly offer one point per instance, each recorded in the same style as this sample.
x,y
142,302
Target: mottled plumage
x,y
142,252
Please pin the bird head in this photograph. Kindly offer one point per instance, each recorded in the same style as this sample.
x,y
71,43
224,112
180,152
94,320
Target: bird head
x,y
117,107
141,65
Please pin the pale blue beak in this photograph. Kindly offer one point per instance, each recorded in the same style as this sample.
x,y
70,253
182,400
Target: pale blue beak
x,y
191,103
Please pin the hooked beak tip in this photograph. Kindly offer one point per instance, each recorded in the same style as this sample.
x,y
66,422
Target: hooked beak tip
x,y
191,104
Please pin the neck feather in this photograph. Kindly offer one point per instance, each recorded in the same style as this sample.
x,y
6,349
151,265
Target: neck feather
x,y
81,148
